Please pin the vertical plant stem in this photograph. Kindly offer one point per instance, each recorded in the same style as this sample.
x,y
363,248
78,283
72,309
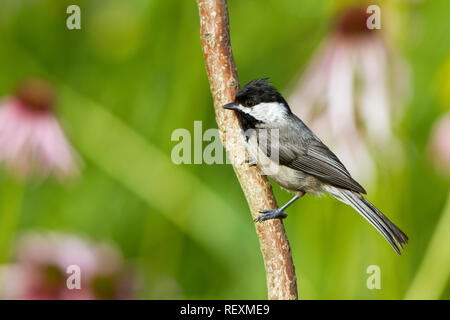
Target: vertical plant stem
x,y
434,271
224,84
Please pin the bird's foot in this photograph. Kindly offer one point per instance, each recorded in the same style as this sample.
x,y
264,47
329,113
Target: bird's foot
x,y
271,214
250,162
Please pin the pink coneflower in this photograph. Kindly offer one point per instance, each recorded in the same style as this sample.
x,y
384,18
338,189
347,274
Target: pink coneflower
x,y
440,144
31,138
344,94
45,262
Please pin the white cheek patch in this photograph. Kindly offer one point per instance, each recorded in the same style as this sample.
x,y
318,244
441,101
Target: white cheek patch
x,y
268,111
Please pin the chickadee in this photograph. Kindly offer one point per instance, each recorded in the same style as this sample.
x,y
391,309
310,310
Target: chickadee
x,y
303,163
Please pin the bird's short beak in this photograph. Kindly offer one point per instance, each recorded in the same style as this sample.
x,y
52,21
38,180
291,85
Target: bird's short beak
x,y
231,106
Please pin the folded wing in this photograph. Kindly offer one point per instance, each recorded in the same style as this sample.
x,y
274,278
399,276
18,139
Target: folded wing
x,y
316,159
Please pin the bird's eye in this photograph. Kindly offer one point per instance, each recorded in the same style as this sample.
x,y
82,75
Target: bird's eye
x,y
250,103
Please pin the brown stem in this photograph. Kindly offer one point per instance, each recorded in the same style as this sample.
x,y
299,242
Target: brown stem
x,y
224,84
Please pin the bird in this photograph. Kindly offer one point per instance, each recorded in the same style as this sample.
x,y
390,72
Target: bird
x,y
287,151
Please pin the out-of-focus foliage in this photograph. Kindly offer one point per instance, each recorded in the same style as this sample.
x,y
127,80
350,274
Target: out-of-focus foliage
x,y
135,72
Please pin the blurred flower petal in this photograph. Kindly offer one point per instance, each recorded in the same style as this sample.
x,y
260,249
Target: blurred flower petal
x,y
41,268
31,138
440,143
343,94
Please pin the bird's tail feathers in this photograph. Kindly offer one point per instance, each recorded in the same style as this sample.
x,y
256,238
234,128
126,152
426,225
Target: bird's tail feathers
x,y
388,230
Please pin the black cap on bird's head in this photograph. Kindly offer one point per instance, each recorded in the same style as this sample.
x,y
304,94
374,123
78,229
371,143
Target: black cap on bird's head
x,y
257,91
259,102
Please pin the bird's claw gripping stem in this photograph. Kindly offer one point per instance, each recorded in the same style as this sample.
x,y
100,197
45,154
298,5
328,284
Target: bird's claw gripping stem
x,y
250,162
277,213
270,214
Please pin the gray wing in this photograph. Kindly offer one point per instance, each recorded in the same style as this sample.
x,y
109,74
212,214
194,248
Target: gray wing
x,y
305,152
319,161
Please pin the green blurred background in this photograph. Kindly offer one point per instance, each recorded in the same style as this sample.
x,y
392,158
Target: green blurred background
x,y
135,72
